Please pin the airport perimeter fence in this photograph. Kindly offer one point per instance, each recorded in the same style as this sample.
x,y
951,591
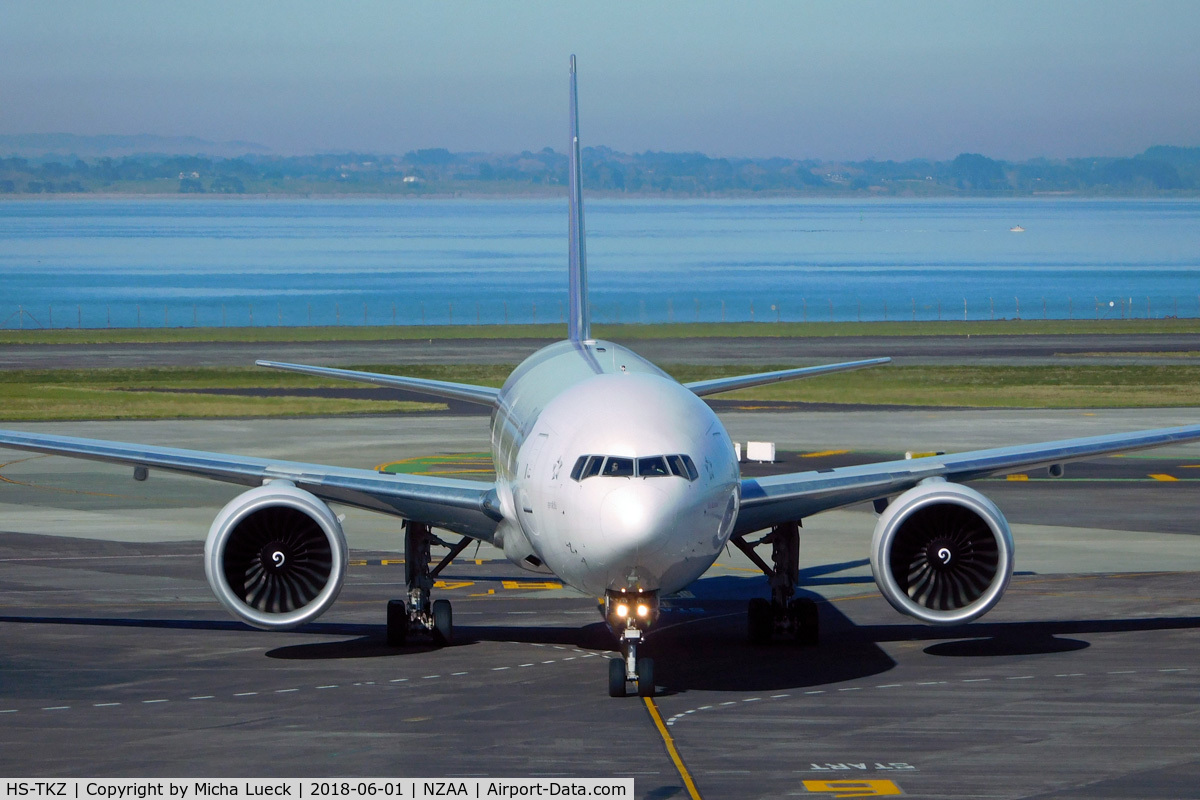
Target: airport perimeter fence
x,y
657,310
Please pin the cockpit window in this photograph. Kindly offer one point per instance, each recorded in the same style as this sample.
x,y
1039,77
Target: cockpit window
x,y
618,467
653,467
589,466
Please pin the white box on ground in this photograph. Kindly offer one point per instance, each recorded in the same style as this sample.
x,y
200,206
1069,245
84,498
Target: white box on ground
x,y
760,451
737,450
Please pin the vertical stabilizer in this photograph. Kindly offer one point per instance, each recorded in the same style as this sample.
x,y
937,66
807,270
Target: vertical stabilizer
x,y
579,326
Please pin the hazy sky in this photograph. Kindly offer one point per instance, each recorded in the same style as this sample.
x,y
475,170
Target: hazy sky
x,y
847,79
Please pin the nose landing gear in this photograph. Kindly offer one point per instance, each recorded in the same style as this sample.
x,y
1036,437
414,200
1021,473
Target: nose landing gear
x,y
628,615
782,615
419,614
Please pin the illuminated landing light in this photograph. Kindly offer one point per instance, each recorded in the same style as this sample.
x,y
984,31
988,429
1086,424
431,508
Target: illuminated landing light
x,y
622,610
643,610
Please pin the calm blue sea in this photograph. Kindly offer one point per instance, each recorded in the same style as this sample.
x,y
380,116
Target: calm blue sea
x,y
183,262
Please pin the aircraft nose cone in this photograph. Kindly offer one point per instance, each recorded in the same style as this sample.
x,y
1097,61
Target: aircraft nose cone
x,y
635,517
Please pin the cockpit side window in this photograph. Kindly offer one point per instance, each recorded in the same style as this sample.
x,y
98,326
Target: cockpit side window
x,y
693,473
616,467
577,470
653,467
593,466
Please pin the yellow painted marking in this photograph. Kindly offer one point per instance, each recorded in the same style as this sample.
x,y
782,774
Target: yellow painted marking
x,y
452,584
854,788
531,584
822,453
1089,413
1159,476
357,562
1189,466
387,562
483,594
1018,477
929,454
688,783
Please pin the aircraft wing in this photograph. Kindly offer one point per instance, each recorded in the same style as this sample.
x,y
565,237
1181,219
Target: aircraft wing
x,y
785,498
467,392
467,507
702,388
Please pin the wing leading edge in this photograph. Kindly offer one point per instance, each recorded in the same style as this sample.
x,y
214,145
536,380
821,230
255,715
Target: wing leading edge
x,y
467,392
716,385
467,507
784,498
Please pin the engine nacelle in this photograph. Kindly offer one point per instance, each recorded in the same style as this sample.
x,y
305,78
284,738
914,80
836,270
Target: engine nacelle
x,y
276,556
942,553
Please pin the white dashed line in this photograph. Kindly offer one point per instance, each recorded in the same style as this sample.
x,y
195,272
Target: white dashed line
x,y
889,685
1018,677
55,708
498,669
104,705
976,680
149,702
850,689
285,691
398,680
245,694
1122,671
430,677
1175,669
778,696
1069,675
456,674
202,697
525,665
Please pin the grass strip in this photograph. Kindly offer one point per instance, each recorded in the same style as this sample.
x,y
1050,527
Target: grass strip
x,y
48,395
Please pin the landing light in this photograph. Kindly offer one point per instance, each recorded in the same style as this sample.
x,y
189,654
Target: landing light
x,y
643,610
622,610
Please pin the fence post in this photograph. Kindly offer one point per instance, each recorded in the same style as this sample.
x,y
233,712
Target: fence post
x,y
964,309
107,315
251,314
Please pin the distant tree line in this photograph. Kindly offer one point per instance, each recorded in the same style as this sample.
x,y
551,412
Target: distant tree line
x,y
1160,171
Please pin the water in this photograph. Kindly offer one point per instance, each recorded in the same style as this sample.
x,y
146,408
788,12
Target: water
x,y
183,262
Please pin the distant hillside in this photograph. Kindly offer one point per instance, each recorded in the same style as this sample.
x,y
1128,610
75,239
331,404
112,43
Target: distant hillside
x,y
1161,171
38,145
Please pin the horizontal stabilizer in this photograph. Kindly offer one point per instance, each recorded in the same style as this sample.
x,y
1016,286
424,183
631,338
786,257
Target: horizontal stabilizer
x,y
717,385
467,392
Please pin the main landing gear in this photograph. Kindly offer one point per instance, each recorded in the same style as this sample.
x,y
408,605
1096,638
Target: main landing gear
x,y
782,615
419,614
628,615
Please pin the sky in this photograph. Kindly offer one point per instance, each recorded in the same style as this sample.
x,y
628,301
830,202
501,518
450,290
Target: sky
x,y
847,80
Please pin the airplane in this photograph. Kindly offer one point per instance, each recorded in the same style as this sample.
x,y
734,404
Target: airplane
x,y
615,478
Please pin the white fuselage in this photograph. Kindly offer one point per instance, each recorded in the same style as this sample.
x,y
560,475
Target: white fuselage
x,y
652,520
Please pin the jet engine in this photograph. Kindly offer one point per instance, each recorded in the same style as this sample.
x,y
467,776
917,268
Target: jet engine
x,y
942,553
276,556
